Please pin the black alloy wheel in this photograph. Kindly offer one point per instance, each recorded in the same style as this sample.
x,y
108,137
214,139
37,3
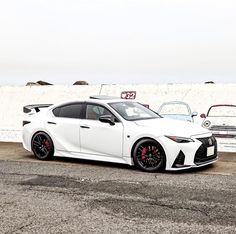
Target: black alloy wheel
x,y
42,146
149,156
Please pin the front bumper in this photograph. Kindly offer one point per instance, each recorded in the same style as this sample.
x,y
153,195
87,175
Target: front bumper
x,y
180,156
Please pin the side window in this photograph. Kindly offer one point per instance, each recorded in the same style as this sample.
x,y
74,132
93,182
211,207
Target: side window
x,y
56,111
95,111
69,111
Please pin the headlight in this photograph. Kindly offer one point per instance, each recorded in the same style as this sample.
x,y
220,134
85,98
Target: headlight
x,y
207,124
180,139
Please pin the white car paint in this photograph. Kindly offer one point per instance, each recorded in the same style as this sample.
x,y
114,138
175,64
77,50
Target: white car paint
x,y
96,140
221,121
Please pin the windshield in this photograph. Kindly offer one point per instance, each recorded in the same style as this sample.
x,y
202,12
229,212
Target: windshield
x,y
174,109
133,111
222,111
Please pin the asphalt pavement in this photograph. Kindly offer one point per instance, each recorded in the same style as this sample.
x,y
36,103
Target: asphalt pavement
x,y
78,196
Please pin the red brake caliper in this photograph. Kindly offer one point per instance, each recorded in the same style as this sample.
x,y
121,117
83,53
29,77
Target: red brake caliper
x,y
143,153
47,144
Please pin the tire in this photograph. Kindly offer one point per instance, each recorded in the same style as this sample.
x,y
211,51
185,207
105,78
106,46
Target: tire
x,y
149,156
42,146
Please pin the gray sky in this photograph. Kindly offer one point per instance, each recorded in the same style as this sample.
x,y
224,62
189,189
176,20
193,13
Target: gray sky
x,y
117,41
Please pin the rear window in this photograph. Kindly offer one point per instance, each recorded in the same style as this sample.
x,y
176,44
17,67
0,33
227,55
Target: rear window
x,y
69,111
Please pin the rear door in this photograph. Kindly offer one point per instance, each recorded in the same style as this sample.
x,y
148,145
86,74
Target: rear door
x,y
64,127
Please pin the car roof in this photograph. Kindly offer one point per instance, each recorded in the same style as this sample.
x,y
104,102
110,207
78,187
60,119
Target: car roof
x,y
103,97
219,105
94,99
175,102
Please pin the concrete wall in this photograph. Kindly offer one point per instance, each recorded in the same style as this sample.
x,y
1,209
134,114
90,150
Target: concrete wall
x,y
199,96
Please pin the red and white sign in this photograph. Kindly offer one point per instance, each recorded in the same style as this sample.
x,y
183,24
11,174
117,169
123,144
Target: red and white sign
x,y
128,95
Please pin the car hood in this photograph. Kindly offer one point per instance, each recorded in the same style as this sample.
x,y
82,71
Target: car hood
x,y
164,126
178,117
222,121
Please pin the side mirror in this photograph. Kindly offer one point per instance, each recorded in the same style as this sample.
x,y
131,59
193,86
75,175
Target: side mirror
x,y
203,116
107,119
194,114
146,105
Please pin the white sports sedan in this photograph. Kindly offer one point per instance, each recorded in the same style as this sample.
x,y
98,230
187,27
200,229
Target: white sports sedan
x,y
116,130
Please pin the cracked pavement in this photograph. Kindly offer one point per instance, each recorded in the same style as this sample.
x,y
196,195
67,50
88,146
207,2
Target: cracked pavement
x,y
96,198
78,196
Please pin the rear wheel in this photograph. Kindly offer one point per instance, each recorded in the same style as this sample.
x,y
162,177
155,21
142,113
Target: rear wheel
x,y
149,156
42,146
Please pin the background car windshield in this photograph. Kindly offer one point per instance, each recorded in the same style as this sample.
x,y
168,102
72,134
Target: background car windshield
x,y
174,109
223,111
133,111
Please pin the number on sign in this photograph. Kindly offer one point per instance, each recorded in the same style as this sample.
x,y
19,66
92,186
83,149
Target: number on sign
x,y
128,94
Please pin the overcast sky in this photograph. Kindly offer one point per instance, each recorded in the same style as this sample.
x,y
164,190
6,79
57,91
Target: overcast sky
x,y
117,41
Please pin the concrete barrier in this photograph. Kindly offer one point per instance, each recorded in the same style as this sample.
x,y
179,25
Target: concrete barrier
x,y
199,96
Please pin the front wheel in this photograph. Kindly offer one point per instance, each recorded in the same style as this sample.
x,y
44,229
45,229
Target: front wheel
x,y
149,156
42,146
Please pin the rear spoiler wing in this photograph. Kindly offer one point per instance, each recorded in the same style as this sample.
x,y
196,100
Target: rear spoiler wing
x,y
36,107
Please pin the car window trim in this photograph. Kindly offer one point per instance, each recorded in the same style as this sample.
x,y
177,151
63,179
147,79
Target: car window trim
x,y
99,104
72,103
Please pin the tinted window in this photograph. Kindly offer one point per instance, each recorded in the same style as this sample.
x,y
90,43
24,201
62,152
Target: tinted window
x,y
69,111
94,111
56,111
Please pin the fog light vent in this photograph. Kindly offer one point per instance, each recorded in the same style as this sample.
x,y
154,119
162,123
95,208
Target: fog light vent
x,y
179,161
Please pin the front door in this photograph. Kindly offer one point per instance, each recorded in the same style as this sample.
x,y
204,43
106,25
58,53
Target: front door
x,y
98,138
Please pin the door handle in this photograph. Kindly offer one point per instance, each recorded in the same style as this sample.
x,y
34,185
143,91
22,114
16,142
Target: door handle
x,y
84,126
51,122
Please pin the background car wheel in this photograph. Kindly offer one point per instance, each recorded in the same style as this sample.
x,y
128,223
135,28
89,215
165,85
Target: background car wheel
x,y
42,146
149,156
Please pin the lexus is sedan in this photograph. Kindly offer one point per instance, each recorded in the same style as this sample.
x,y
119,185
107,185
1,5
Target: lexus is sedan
x,y
115,130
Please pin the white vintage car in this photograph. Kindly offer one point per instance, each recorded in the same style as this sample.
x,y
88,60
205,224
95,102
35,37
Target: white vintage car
x,y
116,130
221,121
